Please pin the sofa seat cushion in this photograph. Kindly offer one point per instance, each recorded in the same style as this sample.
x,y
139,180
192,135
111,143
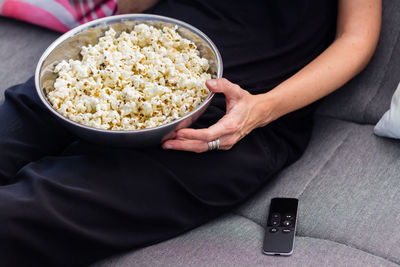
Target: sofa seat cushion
x,y
349,210
348,183
233,240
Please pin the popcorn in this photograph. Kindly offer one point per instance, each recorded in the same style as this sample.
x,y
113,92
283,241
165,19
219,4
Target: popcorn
x,y
136,80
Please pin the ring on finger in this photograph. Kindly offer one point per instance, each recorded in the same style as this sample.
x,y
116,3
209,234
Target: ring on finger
x,y
213,145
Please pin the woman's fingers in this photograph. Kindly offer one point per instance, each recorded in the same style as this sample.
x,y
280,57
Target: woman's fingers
x,y
226,125
224,86
229,129
200,134
198,146
221,128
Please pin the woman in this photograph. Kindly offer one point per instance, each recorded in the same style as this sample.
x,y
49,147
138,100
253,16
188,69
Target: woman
x,y
68,202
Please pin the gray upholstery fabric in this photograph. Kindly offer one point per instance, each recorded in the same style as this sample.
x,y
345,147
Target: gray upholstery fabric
x,y
349,196
349,193
348,181
21,46
237,241
366,98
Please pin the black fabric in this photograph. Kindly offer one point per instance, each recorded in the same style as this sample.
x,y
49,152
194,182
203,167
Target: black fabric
x,y
65,202
262,42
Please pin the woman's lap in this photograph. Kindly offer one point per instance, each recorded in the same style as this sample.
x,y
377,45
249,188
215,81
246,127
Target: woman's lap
x,y
27,131
74,202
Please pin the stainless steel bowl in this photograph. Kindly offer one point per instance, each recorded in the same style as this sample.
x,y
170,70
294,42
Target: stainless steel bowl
x,y
69,45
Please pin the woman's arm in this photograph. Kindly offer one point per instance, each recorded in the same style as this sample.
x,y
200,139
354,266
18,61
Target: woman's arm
x,y
358,29
357,35
134,6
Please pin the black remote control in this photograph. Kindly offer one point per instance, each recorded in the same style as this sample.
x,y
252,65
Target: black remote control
x,y
281,227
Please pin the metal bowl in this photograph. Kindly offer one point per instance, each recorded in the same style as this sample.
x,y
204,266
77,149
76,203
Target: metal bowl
x,y
69,45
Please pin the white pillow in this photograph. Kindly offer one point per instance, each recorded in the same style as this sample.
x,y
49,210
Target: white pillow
x,y
389,124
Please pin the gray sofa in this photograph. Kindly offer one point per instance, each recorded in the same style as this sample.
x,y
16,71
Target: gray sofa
x,y
348,180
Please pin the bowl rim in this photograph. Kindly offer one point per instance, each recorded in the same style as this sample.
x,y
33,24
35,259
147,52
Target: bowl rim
x,y
120,18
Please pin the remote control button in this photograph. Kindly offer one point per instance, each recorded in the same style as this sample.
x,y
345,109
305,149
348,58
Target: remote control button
x,y
286,223
286,231
288,216
275,222
273,230
276,215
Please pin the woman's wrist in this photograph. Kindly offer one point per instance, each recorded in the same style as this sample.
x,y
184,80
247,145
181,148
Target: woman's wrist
x,y
266,108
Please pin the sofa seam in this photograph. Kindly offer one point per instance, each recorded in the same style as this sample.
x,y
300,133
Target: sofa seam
x,y
324,165
344,120
236,212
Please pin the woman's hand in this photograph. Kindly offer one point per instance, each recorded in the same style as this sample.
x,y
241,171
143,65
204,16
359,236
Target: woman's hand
x,y
240,119
356,39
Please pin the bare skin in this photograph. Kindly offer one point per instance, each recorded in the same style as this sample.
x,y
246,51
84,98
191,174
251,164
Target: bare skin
x,y
358,29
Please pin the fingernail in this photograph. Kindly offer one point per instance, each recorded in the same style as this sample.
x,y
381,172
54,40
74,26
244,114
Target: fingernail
x,y
180,135
212,83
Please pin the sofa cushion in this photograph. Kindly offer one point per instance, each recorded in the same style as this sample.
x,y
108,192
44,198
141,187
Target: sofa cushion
x,y
236,241
389,124
349,193
366,98
21,46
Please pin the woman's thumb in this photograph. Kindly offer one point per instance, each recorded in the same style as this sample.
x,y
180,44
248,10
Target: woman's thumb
x,y
221,86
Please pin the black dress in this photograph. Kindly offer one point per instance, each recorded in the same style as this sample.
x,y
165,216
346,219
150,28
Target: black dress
x,y
67,202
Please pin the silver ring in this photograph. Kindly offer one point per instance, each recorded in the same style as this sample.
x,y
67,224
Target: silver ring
x,y
213,145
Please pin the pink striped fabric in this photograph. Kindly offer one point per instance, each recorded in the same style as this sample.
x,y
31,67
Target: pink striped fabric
x,y
59,15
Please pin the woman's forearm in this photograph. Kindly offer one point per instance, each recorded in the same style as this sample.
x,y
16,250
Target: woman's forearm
x,y
357,35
